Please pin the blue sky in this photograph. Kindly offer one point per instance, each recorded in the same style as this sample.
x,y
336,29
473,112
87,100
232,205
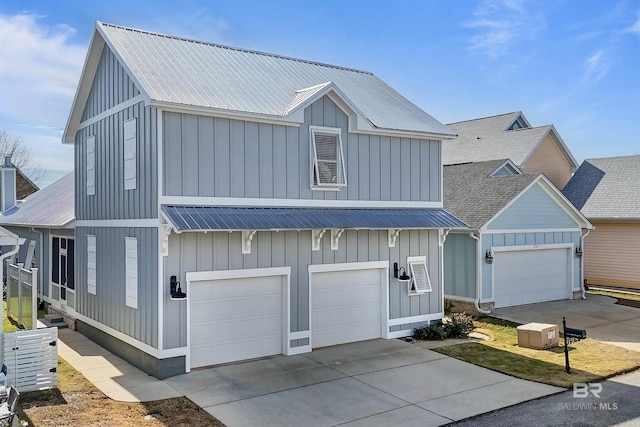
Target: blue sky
x,y
574,64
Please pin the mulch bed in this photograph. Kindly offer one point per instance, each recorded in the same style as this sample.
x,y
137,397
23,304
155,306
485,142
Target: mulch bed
x,y
628,302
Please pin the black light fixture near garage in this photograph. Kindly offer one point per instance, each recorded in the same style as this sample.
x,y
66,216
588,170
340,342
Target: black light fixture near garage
x,y
489,256
404,277
578,251
176,289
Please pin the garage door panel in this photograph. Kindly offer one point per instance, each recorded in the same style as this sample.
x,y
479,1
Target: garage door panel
x,y
235,319
530,276
346,306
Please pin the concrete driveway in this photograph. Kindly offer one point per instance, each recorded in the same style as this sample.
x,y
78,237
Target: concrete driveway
x,y
378,382
603,319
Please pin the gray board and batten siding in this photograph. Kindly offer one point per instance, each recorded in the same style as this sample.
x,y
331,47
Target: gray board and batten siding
x,y
219,157
222,251
108,305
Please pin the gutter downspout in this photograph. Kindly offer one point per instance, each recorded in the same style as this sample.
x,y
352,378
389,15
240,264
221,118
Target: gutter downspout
x,y
584,291
476,301
40,279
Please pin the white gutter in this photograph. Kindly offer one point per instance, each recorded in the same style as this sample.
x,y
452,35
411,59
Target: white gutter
x,y
584,291
476,300
40,279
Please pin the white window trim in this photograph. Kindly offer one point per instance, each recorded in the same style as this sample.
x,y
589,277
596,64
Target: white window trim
x,y
91,264
91,165
131,272
314,159
129,153
415,263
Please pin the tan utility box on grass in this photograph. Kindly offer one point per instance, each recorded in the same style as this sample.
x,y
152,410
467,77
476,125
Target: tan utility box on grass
x,y
538,335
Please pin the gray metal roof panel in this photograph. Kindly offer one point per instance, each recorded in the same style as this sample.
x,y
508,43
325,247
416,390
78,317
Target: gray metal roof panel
x,y
192,73
607,188
196,218
472,195
53,206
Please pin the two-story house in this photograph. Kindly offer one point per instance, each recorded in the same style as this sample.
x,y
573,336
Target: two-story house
x,y
233,204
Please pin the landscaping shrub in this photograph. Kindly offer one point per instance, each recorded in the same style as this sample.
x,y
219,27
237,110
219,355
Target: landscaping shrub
x,y
458,327
433,332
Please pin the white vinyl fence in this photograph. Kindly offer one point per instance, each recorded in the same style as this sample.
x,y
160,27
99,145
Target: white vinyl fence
x,y
31,357
22,295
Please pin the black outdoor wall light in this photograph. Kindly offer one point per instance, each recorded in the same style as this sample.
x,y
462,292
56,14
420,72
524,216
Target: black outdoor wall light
x,y
578,251
401,277
176,290
489,257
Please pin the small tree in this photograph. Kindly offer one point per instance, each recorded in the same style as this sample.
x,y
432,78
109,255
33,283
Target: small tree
x,y
20,155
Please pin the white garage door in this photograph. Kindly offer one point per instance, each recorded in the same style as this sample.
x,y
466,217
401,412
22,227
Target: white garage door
x,y
346,306
526,277
235,319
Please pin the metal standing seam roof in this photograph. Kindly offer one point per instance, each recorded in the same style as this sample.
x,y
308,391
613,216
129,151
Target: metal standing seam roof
x,y
607,188
53,206
473,196
204,218
206,75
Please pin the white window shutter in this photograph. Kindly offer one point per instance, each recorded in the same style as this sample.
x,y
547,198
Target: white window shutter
x,y
420,282
91,165
131,272
130,154
328,162
91,264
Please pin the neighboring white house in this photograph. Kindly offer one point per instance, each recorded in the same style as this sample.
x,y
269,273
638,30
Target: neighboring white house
x,y
233,204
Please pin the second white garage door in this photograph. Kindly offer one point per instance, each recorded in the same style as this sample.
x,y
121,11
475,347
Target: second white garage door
x,y
530,276
346,306
235,319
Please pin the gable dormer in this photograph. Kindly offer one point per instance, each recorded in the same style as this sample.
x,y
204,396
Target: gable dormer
x,y
519,122
508,168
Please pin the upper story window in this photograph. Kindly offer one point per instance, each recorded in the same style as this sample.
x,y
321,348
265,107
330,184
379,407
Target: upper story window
x,y
130,148
328,159
91,165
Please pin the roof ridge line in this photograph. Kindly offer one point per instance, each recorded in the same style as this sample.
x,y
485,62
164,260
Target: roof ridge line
x,y
255,52
483,118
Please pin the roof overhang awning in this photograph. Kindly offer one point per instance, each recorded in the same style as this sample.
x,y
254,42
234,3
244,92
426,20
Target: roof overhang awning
x,y
214,218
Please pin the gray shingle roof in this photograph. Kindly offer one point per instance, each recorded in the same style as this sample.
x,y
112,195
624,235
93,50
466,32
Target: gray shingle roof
x,y
191,73
487,139
474,197
607,188
53,206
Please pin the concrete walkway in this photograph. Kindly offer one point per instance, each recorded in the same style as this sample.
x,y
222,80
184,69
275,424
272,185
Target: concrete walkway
x,y
378,382
603,319
115,377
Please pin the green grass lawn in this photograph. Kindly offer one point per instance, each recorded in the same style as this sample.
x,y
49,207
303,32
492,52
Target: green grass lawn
x,y
614,294
590,360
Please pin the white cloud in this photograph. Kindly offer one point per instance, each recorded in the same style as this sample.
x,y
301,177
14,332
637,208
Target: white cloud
x,y
595,68
39,70
635,28
498,23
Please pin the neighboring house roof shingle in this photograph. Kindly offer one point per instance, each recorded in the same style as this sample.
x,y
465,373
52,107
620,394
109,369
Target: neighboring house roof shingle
x,y
192,74
473,196
487,138
53,206
607,188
